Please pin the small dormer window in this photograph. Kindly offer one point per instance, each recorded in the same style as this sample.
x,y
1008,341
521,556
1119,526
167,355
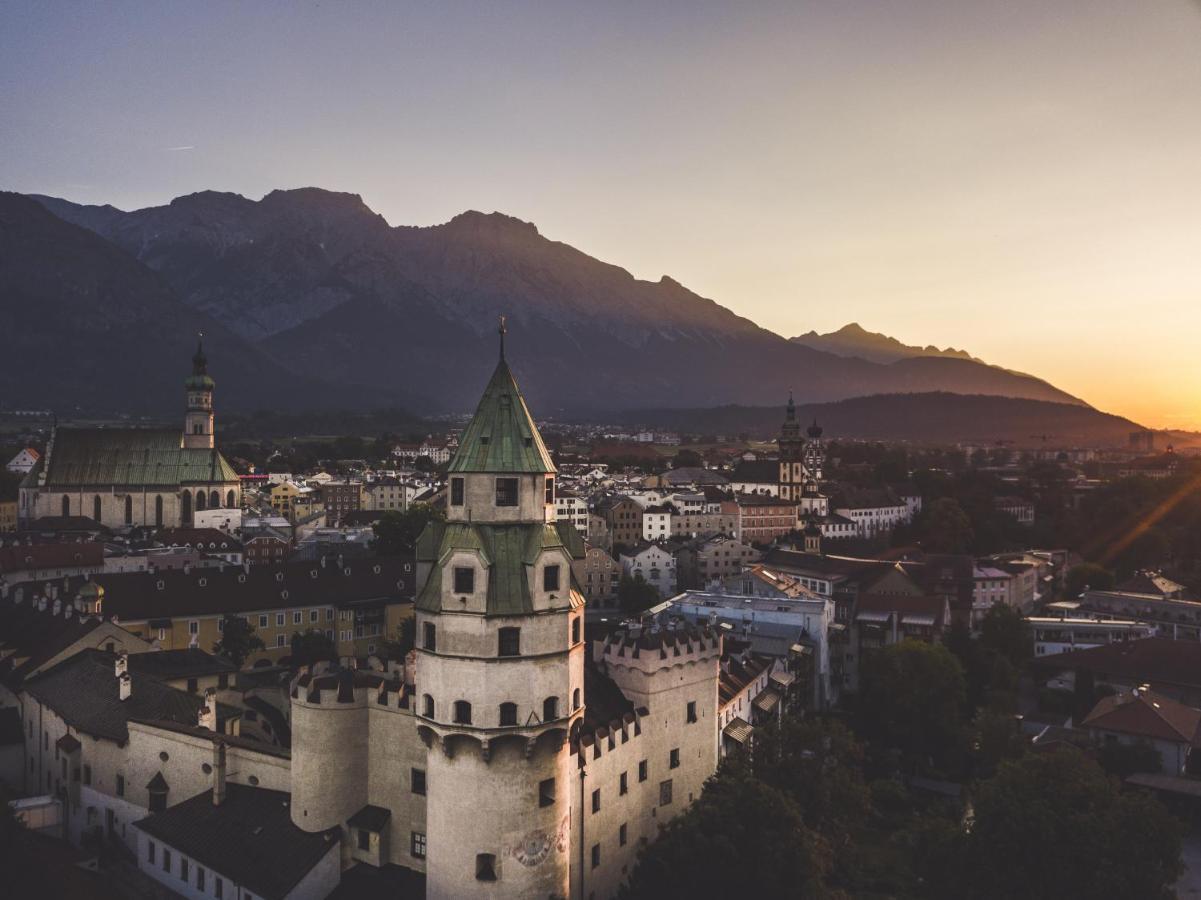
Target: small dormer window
x,y
464,580
550,578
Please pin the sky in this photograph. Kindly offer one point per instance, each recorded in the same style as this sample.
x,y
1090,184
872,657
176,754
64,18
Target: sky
x,y
1018,179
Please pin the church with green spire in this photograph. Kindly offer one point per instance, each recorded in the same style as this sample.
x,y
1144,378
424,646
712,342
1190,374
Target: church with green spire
x,y
124,477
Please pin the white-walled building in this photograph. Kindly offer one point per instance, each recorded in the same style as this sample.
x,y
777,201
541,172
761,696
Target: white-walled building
x,y
654,563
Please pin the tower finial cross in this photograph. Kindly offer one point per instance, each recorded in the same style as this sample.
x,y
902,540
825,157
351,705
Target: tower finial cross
x,y
501,330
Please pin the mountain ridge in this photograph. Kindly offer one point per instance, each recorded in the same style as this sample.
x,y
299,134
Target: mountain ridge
x,y
319,282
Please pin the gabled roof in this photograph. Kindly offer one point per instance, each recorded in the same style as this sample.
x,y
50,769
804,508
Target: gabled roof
x,y
249,838
83,690
1143,713
1154,660
502,436
142,457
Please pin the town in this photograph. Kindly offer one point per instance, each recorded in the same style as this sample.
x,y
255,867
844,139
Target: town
x,y
511,658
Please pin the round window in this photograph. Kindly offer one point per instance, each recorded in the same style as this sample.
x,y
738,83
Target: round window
x,y
163,756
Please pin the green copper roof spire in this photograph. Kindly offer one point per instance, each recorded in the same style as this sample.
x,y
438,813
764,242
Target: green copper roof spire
x,y
502,436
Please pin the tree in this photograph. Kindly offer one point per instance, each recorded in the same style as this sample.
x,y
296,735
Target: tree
x,y
238,640
397,646
912,697
635,595
741,838
1053,825
1123,760
817,765
1084,576
396,533
687,459
311,647
946,527
1004,631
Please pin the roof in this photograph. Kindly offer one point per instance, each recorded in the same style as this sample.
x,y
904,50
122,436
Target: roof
x,y
502,436
758,471
190,662
138,596
738,729
365,882
30,638
370,818
508,552
1157,660
1144,713
1144,582
145,457
65,555
212,539
83,690
249,838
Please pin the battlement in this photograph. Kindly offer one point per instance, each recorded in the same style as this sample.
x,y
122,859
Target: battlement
x,y
593,743
339,687
655,647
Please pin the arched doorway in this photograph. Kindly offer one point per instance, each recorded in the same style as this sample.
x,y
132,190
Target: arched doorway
x,y
185,508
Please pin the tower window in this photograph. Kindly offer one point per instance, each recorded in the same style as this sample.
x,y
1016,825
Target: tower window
x,y
462,712
485,867
642,770
464,580
546,792
575,699
550,709
509,642
691,711
673,759
508,714
550,578
417,845
506,492
456,492
622,835
427,706
364,839
596,801
417,781
665,792
430,636
595,855
623,784
550,489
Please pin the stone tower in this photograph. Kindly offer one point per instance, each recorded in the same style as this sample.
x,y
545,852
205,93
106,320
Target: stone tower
x,y
198,421
792,446
500,662
815,452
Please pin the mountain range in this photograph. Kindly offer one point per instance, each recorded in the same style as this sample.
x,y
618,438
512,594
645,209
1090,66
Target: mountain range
x,y
308,298
855,340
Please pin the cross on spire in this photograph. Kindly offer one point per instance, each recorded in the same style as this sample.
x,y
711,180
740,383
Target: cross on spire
x,y
501,330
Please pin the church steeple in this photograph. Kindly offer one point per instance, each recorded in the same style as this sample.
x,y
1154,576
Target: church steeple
x,y
198,420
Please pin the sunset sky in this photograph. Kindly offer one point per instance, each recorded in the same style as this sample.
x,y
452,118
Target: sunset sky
x,y
1021,179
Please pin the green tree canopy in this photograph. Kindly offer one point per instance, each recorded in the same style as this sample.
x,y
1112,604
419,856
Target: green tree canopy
x,y
312,646
741,838
1053,825
635,594
912,697
1084,576
946,528
396,533
238,640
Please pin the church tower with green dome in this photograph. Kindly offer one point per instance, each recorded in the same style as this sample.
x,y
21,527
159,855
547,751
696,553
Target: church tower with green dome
x,y
198,421
499,662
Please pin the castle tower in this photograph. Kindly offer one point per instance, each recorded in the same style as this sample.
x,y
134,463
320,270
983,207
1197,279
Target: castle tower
x,y
815,452
198,421
500,662
792,470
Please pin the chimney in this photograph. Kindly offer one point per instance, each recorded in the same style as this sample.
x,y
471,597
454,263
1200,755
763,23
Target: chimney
x,y
218,772
121,666
124,685
207,717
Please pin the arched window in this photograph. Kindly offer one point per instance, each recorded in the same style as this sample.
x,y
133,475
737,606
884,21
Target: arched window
x,y
231,500
128,509
185,508
158,511
427,706
575,699
508,714
66,505
214,500
462,712
550,709
200,501
96,507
